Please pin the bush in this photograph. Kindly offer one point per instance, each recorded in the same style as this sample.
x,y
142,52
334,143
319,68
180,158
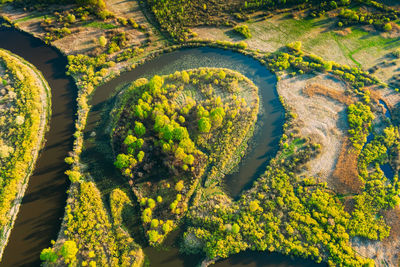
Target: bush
x,y
243,30
387,27
102,41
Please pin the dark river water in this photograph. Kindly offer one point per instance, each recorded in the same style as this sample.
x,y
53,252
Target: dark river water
x,y
42,208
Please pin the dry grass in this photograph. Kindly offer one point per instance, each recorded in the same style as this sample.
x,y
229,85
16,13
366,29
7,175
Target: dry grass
x,y
343,32
345,175
392,218
318,89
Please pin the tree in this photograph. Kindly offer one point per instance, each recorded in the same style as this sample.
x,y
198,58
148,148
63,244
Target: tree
x,y
151,203
179,186
129,140
102,41
189,159
387,27
48,255
155,84
154,223
71,18
139,128
140,156
235,228
180,133
122,161
185,77
254,205
296,46
69,249
74,176
221,74
204,125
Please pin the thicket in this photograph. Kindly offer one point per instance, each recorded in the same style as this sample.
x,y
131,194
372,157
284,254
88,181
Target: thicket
x,y
295,62
175,16
379,193
92,238
97,7
243,30
280,213
168,130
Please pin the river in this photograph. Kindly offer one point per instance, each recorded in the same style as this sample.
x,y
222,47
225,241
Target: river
x,y
39,217
42,208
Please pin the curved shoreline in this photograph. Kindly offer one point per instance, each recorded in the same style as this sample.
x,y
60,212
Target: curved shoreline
x,y
45,96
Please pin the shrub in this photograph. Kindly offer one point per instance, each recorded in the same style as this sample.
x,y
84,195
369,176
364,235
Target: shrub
x,y
387,27
243,30
102,41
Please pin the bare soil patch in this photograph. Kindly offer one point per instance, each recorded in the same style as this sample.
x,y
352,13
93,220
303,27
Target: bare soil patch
x,y
321,118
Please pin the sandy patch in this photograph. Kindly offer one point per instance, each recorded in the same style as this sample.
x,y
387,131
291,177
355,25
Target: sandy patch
x,y
321,118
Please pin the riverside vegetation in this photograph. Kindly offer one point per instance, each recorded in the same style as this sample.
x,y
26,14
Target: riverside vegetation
x,y
24,112
168,135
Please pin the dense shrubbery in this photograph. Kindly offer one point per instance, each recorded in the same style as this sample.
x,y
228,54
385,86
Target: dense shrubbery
x,y
243,30
175,16
91,238
97,7
280,213
379,193
295,61
24,98
359,117
166,131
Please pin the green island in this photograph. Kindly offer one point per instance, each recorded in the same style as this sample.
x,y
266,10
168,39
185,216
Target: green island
x,y
327,190
25,111
172,131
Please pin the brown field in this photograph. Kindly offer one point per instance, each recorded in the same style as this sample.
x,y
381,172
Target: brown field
x,y
318,89
345,175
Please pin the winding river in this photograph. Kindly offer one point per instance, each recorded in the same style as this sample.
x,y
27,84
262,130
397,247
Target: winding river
x,y
263,145
43,205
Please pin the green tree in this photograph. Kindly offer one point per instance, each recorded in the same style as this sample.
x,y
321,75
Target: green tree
x,y
140,130
102,41
235,228
179,186
387,27
69,250
122,161
204,125
48,255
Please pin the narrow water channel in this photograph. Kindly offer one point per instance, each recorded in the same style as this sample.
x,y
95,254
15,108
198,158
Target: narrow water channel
x,y
42,208
99,160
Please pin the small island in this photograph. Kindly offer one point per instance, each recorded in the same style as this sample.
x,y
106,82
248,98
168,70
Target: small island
x,y
172,132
